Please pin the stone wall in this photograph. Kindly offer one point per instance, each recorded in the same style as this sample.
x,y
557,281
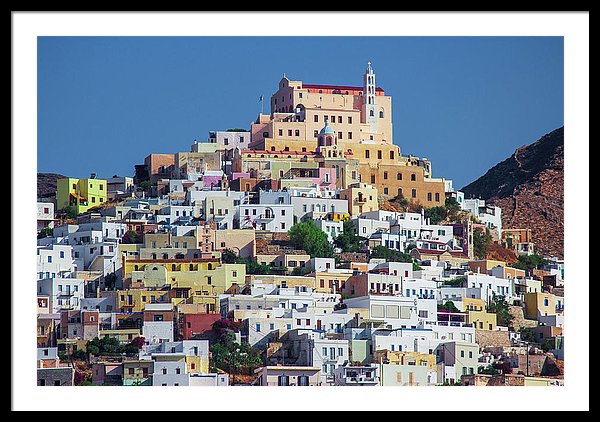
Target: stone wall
x,y
519,320
486,338
484,380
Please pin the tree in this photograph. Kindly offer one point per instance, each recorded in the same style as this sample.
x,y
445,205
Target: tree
x,y
104,346
227,354
300,271
456,282
131,236
307,236
448,307
481,242
110,280
68,212
253,267
530,262
348,240
390,255
229,256
145,185
452,206
500,307
436,214
45,232
401,201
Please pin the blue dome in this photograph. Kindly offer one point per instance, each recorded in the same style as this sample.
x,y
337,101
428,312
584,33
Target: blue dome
x,y
326,129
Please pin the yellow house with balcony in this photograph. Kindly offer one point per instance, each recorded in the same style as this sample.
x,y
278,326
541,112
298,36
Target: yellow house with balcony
x,y
406,358
82,194
478,315
188,280
361,198
542,304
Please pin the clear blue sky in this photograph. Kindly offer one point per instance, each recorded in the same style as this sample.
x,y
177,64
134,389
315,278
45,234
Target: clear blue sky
x,y
466,103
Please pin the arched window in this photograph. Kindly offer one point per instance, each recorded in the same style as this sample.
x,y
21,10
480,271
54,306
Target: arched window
x,y
381,114
371,113
173,267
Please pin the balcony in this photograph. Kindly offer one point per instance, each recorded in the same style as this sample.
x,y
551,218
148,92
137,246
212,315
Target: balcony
x,y
361,379
266,217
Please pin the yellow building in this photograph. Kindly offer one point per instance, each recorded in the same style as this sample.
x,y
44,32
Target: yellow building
x,y
186,279
124,336
477,314
82,194
327,282
360,118
135,300
406,358
541,304
361,198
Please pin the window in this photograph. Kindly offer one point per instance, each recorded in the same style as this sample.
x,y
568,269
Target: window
x,y
423,314
316,117
164,371
391,155
429,196
470,354
379,155
258,328
367,153
437,197
381,114
283,380
385,175
413,177
49,259
297,132
324,351
414,193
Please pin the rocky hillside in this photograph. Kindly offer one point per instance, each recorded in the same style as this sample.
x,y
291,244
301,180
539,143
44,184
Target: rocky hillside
x,y
46,185
529,187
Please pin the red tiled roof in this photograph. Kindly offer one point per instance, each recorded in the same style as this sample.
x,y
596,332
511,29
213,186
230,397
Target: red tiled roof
x,y
340,87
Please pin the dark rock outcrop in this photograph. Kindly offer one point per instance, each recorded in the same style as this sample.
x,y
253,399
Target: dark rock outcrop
x,y
529,187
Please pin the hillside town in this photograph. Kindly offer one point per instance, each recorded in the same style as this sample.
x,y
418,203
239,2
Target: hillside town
x,y
305,250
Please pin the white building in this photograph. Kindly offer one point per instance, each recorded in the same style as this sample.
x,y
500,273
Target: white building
x,y
397,311
64,293
45,215
271,217
491,285
54,261
158,330
489,215
229,140
332,228
317,207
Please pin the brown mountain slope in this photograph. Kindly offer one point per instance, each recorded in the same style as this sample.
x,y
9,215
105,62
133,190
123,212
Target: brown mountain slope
x,y
46,185
529,187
